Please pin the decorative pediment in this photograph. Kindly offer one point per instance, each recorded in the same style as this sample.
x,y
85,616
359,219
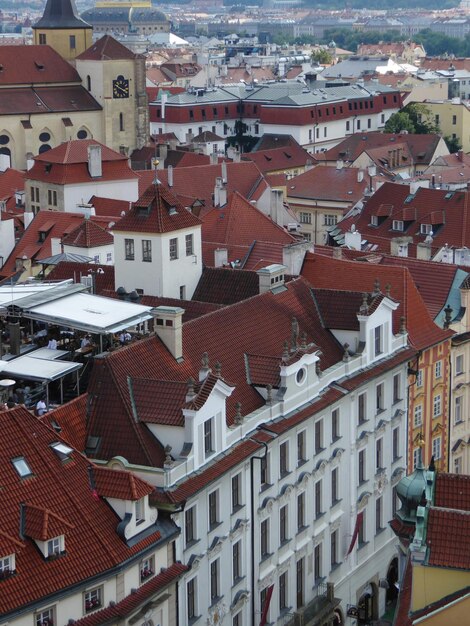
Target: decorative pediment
x,y
303,479
239,528
268,580
216,546
217,614
285,494
396,417
380,428
321,467
397,475
363,500
336,456
380,481
363,439
266,507
335,525
240,599
195,561
318,538
438,428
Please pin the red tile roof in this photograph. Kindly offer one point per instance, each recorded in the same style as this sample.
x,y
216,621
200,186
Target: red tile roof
x,y
339,309
131,602
226,286
59,500
328,183
11,181
104,280
88,235
448,538
157,211
263,321
268,141
452,491
328,273
108,49
279,158
112,483
76,151
171,399
109,207
29,100
69,421
35,64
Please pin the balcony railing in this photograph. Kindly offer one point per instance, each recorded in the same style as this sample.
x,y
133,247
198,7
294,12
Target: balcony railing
x,y
318,610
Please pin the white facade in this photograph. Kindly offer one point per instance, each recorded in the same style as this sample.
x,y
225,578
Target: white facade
x,y
104,255
7,239
165,272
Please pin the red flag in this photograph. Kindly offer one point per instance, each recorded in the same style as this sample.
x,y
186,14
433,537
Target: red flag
x,y
267,602
358,525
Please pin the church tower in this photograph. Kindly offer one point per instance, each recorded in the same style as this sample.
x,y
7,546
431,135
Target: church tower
x,y
63,29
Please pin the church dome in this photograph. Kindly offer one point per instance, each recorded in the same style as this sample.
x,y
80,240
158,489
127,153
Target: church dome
x,y
411,492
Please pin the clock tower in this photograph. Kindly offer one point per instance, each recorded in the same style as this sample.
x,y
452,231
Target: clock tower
x,y
115,76
63,29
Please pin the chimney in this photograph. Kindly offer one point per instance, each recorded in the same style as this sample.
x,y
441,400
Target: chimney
x,y
236,156
220,192
163,99
460,155
271,277
214,158
28,217
224,172
293,256
360,176
308,165
337,253
339,164
94,161
163,152
170,176
423,251
169,328
220,257
277,206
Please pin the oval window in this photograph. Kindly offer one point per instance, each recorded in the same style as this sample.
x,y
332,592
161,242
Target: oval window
x,y
82,134
44,137
4,139
300,376
44,148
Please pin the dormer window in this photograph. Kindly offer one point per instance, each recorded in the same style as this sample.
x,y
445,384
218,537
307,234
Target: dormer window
x,y
147,568
209,436
22,467
46,617
53,547
397,225
378,340
425,229
62,451
7,566
140,511
374,220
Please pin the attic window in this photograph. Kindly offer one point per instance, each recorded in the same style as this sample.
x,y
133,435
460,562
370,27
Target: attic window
x,y
39,65
143,210
374,220
7,566
409,198
397,225
425,229
62,451
172,210
449,195
22,467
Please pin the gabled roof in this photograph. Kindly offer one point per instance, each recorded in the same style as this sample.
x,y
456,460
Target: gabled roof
x,y
112,483
328,183
59,500
88,234
23,65
284,158
11,181
328,273
76,151
104,281
63,99
339,309
263,321
69,421
109,207
157,211
61,14
107,49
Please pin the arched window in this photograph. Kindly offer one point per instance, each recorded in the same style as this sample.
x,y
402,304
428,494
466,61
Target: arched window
x,y
44,148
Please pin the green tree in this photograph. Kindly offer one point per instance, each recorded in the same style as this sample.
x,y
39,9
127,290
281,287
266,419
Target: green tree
x,y
398,122
413,118
322,56
453,144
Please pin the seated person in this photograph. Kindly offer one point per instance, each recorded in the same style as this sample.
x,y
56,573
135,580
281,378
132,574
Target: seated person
x,y
41,407
52,345
124,337
85,342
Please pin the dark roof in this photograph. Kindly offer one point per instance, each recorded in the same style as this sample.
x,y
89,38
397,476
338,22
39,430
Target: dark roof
x,y
61,14
221,285
107,48
88,235
29,100
339,309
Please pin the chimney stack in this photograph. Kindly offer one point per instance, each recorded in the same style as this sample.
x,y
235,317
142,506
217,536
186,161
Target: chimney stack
x,y
271,277
220,257
169,328
224,172
277,206
94,161
339,164
220,193
360,176
170,176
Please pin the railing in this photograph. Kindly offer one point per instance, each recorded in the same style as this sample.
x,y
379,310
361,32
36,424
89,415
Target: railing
x,y
321,606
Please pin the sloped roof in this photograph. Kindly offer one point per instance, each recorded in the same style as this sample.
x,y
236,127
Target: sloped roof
x,y
76,151
60,494
61,14
69,421
112,483
11,181
226,286
104,281
70,99
157,211
448,538
35,64
339,309
263,321
279,158
328,273
452,491
88,234
109,206
107,49
328,183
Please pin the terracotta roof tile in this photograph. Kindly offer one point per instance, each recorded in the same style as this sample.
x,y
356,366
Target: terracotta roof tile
x,y
109,207
112,483
68,269
263,370
43,524
35,64
322,183
88,234
157,211
279,158
339,309
226,286
448,538
69,421
11,181
159,401
107,48
452,491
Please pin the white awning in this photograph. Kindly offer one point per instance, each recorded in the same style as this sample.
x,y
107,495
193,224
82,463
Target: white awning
x,y
48,354
90,313
33,368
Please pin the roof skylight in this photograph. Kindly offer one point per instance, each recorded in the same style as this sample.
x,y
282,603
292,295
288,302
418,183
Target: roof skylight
x,y
22,467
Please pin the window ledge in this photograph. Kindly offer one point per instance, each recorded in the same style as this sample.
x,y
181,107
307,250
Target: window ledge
x,y
284,543
237,509
191,544
319,515
265,557
337,438
379,531
335,566
265,487
361,483
194,619
215,601
283,475
333,504
301,529
238,581
379,411
362,545
214,526
396,458
301,462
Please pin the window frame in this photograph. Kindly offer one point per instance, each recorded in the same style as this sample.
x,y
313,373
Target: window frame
x,y
189,244
190,530
129,249
173,248
213,509
93,603
146,250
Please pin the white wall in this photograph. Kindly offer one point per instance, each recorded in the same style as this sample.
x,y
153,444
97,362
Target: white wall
x,y
116,189
7,239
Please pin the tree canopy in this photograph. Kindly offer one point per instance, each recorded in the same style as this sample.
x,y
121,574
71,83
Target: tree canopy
x,y
413,118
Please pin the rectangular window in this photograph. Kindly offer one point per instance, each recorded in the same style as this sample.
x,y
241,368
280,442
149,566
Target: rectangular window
x,y
189,245
361,466
454,120
214,580
416,457
334,486
361,408
190,525
182,292
305,218
236,492
140,511
436,448
147,568
397,225
419,378
378,340
236,561
283,591
237,619
262,599
109,257
300,582
53,546
72,42
378,515
283,531
52,197
358,125
318,499
425,229
318,436
458,465
418,415
438,369
334,548
208,436
301,452
129,249
191,598
264,471
264,536
301,511
42,39
348,126
335,425
173,249
146,250
46,617
213,508
395,501
317,568
395,443
331,220
379,454
6,566
459,365
284,458
396,388
361,535
458,413
379,398
437,406
93,599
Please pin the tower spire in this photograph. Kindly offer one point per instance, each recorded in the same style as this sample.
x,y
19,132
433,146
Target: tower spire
x,y
63,29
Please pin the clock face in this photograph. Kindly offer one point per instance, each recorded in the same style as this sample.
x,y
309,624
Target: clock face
x,y
121,87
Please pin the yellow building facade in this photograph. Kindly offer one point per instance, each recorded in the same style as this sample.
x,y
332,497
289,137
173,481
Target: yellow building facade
x,y
453,119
